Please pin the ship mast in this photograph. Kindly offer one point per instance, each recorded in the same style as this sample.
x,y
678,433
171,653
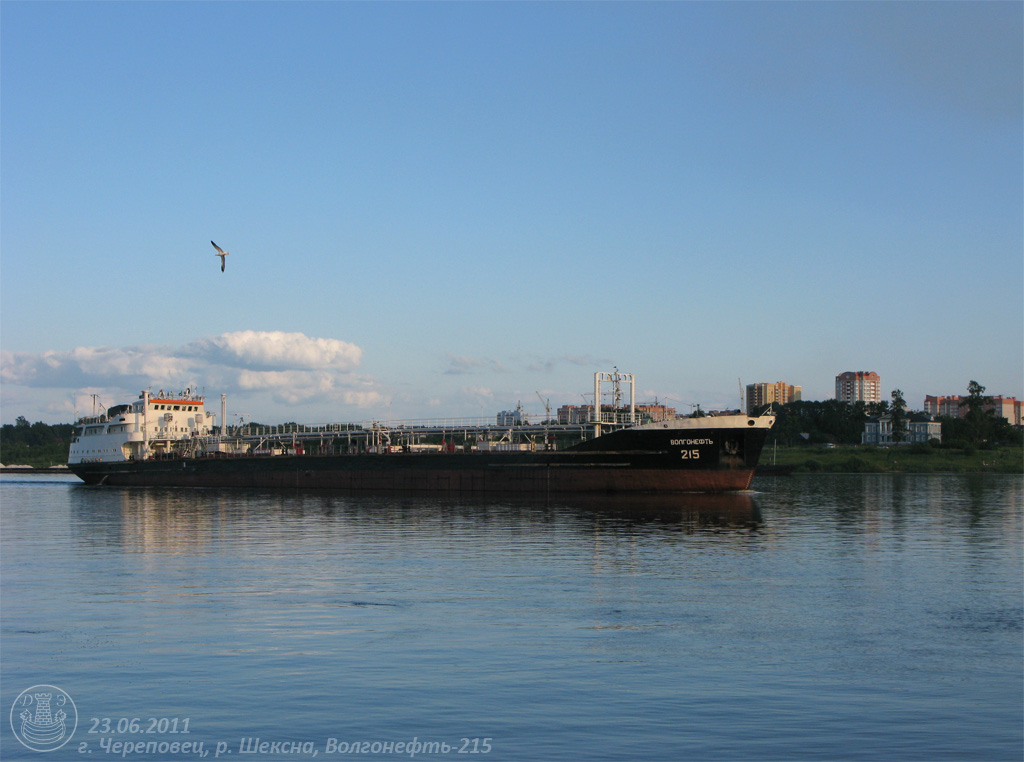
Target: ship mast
x,y
145,424
616,379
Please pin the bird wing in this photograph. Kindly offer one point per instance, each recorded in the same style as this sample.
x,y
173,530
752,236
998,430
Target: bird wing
x,y
218,248
222,261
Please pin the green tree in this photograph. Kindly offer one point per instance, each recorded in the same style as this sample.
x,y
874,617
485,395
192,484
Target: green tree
x,y
898,415
36,444
876,408
975,396
978,422
816,422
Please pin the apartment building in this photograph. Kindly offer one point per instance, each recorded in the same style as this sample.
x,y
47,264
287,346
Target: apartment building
x,y
649,413
858,386
510,417
944,407
759,395
585,413
956,407
575,413
1005,407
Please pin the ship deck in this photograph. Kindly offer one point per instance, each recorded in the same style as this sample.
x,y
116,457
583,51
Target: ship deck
x,y
412,434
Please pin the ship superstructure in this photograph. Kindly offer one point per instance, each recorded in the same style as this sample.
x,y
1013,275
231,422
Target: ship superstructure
x,y
153,426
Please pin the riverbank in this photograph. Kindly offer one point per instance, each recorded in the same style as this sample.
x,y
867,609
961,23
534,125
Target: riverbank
x,y
918,459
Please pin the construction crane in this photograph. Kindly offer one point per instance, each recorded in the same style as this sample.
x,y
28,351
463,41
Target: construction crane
x,y
547,420
546,403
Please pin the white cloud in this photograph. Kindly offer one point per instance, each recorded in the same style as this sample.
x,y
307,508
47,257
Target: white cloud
x,y
292,368
478,392
277,350
367,399
93,365
288,385
461,364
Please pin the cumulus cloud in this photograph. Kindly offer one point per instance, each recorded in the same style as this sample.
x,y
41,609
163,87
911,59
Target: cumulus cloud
x,y
83,366
290,385
291,367
276,350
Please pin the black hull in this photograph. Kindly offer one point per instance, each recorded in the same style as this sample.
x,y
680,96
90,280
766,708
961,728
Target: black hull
x,y
628,461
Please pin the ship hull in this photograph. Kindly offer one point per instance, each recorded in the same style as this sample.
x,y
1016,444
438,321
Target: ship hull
x,y
628,461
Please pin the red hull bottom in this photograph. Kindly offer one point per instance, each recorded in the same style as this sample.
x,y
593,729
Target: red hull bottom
x,y
516,480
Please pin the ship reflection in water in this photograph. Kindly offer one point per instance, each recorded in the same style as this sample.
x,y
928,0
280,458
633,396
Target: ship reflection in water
x,y
688,511
164,519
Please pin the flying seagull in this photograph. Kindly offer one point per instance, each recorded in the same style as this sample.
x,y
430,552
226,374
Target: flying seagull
x,y
220,253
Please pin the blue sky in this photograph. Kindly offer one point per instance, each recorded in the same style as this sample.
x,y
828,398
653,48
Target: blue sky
x,y
440,209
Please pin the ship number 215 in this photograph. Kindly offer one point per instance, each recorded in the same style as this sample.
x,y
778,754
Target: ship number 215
x,y
690,454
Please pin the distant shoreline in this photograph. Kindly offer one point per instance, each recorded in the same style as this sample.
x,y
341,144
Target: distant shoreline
x,y
908,459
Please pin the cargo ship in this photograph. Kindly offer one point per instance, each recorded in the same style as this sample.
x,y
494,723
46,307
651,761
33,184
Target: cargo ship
x,y
170,440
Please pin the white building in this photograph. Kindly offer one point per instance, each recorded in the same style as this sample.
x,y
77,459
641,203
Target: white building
x,y
918,428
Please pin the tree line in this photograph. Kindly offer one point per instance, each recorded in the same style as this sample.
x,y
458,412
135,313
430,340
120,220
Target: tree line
x,y
36,444
832,421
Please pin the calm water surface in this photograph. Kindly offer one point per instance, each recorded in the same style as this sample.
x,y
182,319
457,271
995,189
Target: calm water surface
x,y
820,618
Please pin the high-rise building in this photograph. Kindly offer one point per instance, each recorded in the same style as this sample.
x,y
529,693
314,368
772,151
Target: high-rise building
x,y
575,413
510,417
947,407
759,395
859,386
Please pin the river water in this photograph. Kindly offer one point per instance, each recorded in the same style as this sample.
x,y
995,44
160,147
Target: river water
x,y
853,617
